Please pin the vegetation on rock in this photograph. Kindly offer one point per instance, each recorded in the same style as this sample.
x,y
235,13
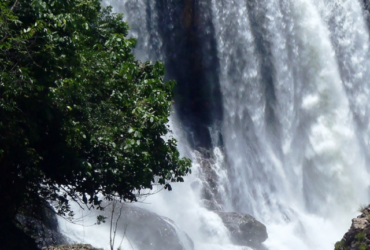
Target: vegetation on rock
x,y
358,236
79,115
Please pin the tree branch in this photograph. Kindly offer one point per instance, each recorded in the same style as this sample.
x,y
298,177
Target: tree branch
x,y
16,2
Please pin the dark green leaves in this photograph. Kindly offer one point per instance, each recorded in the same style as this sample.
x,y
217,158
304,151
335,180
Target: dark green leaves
x,y
79,115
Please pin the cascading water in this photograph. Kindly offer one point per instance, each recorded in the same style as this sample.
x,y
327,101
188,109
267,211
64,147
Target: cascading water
x,y
286,114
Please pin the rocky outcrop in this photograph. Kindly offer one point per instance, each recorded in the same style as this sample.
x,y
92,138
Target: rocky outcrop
x,y
72,247
211,198
148,230
244,229
187,33
42,226
358,236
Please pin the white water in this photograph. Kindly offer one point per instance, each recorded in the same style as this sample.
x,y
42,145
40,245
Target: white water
x,y
298,162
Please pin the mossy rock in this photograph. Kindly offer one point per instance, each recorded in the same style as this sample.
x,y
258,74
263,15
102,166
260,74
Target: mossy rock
x,y
363,247
360,236
339,245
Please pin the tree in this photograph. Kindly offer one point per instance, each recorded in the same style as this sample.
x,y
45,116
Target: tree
x,y
79,116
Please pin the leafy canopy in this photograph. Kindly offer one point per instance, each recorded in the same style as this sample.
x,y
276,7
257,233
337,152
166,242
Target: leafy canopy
x,y
78,114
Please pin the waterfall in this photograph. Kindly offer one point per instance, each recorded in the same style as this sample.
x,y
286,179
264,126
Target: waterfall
x,y
277,91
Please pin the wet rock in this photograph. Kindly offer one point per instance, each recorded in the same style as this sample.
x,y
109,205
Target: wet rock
x,y
211,197
72,247
42,226
148,230
244,229
367,11
211,205
358,236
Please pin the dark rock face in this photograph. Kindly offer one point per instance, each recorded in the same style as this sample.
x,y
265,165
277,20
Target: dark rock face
x,y
358,236
151,231
244,229
190,50
366,4
40,232
13,237
42,227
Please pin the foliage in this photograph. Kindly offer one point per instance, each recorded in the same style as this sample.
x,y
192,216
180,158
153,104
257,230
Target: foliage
x,y
339,245
79,115
363,247
360,236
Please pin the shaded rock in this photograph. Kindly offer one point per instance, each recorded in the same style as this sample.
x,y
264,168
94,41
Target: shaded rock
x,y
13,237
244,229
148,230
42,226
366,4
72,247
358,236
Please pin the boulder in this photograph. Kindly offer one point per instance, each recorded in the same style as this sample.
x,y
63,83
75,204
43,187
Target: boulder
x,y
42,226
244,229
148,230
358,236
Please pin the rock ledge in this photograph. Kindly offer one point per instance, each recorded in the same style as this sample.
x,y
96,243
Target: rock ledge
x,y
358,236
72,247
244,229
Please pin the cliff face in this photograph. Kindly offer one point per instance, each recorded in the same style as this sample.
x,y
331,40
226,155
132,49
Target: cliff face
x,y
190,50
367,11
358,236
